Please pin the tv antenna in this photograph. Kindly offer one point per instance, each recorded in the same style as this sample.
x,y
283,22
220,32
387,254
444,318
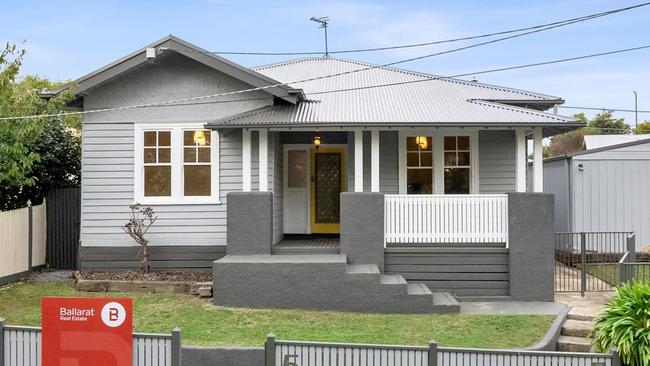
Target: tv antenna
x,y
323,21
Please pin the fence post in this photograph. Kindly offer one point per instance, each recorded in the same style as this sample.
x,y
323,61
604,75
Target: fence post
x,y
269,350
631,247
2,341
616,359
433,353
583,264
30,236
176,347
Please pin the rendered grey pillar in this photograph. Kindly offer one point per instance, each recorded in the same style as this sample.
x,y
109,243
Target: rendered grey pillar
x,y
249,223
531,242
362,228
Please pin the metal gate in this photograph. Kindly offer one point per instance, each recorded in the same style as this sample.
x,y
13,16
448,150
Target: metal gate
x,y
589,261
63,218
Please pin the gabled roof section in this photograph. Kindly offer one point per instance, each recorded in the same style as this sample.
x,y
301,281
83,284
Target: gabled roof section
x,y
368,95
171,43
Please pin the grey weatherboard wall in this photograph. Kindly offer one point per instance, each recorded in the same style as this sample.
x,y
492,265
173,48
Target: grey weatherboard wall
x,y
603,190
496,161
459,271
532,246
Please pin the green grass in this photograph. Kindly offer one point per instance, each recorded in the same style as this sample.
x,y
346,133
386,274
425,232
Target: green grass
x,y
610,273
205,324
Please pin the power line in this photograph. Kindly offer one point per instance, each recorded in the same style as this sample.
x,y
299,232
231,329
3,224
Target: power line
x,y
430,43
603,109
191,100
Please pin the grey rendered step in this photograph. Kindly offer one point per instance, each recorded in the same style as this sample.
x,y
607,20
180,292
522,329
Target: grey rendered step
x,y
444,298
575,314
418,289
392,280
573,344
576,328
362,269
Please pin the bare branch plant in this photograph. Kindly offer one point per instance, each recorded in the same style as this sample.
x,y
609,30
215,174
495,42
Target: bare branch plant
x,y
141,220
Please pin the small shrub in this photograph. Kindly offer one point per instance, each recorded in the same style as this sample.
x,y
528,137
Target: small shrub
x,y
140,222
625,325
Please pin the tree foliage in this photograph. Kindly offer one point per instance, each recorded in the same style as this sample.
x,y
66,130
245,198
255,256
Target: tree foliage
x,y
604,123
643,128
35,153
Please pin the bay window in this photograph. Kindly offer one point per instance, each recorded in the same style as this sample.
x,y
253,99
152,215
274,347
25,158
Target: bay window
x,y
175,164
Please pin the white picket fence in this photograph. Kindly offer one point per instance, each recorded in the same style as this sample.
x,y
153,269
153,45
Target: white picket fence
x,y
19,251
446,219
21,346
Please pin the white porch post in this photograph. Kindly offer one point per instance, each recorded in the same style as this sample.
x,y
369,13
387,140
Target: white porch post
x,y
264,159
520,171
374,160
358,160
246,159
538,169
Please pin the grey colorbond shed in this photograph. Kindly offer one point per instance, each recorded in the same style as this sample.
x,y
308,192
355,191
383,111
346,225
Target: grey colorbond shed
x,y
604,189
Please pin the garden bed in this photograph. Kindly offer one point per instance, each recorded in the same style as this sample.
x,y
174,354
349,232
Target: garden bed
x,y
131,281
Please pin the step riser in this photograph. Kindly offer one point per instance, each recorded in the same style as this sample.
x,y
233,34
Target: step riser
x,y
569,347
575,332
580,317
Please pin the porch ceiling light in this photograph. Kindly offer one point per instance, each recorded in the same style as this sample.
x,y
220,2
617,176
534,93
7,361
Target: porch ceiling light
x,y
316,142
199,137
421,141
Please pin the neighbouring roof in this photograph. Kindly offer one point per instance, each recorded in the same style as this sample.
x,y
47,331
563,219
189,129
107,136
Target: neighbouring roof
x,y
598,141
138,58
404,97
645,140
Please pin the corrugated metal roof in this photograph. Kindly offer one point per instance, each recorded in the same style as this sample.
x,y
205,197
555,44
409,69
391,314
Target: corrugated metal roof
x,y
598,141
414,98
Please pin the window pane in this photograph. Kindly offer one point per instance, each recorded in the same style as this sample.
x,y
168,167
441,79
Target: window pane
x,y
157,181
149,155
426,159
419,181
450,159
189,155
207,137
410,144
297,168
204,154
197,180
450,142
164,138
412,159
463,142
188,138
463,158
457,181
164,155
428,147
150,138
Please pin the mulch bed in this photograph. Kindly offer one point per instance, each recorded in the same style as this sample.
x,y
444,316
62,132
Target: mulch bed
x,y
152,276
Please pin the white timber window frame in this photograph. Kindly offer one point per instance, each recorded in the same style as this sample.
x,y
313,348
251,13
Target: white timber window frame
x,y
438,171
177,196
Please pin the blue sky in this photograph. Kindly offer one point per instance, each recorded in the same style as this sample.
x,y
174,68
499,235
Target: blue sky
x,y
66,39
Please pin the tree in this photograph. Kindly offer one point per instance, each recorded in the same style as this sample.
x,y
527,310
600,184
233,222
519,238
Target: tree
x,y
566,143
137,226
605,124
643,128
37,153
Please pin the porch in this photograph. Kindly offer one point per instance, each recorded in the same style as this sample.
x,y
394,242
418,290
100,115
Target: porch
x,y
443,186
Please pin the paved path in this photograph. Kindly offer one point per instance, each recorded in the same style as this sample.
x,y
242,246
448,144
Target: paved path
x,y
569,279
511,308
584,307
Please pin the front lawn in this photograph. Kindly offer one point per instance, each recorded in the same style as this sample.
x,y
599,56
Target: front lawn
x,y
610,272
205,324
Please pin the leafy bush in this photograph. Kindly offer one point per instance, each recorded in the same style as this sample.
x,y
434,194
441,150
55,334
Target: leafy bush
x,y
625,325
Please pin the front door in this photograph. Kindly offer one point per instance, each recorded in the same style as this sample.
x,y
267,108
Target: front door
x,y
326,183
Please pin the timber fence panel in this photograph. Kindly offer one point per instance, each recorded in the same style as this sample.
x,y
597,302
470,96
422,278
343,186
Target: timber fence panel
x,y
14,242
39,234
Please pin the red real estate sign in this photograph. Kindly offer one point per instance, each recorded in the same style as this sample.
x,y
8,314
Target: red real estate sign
x,y
87,331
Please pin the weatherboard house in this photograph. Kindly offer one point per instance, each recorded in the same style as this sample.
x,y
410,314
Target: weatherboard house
x,y
379,189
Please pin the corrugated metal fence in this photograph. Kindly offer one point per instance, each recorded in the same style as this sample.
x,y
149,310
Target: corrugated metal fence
x,y
292,353
22,241
63,220
21,346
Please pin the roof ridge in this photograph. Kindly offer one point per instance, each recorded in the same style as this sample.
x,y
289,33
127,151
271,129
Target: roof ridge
x,y
539,96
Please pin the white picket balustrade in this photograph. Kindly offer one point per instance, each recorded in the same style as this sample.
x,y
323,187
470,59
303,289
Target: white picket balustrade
x,y
446,219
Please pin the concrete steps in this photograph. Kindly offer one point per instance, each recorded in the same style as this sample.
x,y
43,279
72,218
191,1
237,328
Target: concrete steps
x,y
321,282
573,336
